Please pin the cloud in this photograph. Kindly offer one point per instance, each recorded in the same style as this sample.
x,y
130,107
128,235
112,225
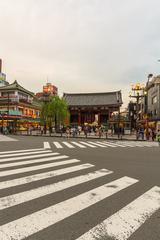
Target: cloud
x,y
81,45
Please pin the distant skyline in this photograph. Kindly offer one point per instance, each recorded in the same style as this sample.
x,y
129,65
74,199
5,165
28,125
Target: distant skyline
x,y
80,45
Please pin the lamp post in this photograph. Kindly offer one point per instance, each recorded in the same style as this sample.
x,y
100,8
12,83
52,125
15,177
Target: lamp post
x,y
137,93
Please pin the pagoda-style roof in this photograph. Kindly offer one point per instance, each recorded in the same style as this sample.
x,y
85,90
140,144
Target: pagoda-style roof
x,y
15,86
94,99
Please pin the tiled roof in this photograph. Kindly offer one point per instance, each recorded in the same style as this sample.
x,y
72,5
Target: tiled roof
x,y
93,99
15,86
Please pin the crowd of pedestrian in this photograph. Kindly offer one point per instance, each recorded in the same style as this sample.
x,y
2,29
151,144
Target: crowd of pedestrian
x,y
149,134
86,130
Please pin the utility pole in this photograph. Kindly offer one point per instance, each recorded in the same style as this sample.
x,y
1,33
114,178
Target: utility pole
x,y
138,92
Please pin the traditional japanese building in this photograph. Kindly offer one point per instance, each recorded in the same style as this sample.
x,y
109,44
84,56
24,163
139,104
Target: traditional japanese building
x,y
92,107
17,103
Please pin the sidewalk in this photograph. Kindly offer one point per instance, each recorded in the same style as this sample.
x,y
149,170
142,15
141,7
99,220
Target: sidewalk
x,y
89,136
4,138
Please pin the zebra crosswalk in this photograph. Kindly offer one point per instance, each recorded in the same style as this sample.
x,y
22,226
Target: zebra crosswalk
x,y
95,144
37,166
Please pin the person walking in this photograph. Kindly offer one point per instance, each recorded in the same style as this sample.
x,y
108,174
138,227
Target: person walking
x,y
158,137
153,134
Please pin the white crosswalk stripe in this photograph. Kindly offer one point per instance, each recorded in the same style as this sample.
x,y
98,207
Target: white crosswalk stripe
x,y
68,145
78,144
22,151
119,226
39,167
88,144
98,144
18,198
41,176
124,223
28,225
108,144
103,144
24,154
57,144
39,160
47,145
27,157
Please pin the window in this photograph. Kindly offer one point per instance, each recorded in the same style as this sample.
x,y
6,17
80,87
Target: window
x,y
155,112
154,99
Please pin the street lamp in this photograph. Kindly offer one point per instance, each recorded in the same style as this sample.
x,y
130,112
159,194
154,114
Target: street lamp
x,y
137,93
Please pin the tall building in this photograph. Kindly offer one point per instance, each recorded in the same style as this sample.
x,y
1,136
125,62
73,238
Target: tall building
x,y
3,81
49,90
153,100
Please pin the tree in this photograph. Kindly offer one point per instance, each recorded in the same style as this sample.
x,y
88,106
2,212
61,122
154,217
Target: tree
x,y
55,112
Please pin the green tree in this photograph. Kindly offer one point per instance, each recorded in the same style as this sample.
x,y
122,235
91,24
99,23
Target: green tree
x,y
54,113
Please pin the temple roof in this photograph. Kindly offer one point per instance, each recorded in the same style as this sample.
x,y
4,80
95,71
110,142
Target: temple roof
x,y
15,86
93,99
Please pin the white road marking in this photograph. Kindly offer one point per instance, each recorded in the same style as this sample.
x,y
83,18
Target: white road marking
x,y
113,144
24,154
127,144
78,145
121,225
46,145
40,176
108,144
98,144
39,167
116,144
28,225
89,145
22,163
57,144
137,144
26,150
15,199
68,145
27,157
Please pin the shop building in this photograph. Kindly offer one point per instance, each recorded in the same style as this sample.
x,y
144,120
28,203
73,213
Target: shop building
x,y
18,105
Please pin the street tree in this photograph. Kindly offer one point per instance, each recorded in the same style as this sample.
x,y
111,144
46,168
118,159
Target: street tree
x,y
55,112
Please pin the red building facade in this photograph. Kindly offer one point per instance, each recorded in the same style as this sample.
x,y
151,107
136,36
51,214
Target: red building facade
x,y
92,108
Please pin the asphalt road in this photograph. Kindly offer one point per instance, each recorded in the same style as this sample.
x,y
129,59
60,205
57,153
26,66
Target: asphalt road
x,y
118,187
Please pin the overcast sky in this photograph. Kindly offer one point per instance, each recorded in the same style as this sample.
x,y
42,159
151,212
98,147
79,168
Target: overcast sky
x,y
80,45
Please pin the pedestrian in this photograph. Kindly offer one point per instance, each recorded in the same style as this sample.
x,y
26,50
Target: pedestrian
x,y
158,137
67,132
153,134
79,130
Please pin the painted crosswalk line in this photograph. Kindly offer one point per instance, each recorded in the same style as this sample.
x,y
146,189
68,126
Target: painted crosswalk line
x,y
68,145
117,144
26,226
25,150
108,144
88,144
41,176
57,144
39,160
15,199
125,222
103,144
47,145
24,154
78,144
28,157
39,167
98,144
